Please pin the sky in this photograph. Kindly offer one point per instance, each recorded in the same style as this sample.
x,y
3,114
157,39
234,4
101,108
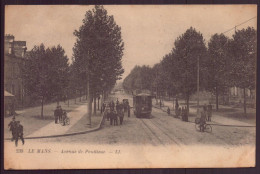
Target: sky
x,y
148,31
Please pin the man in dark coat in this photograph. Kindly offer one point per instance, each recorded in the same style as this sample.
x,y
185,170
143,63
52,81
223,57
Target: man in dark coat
x,y
168,111
56,115
18,133
12,125
60,113
203,119
115,119
121,116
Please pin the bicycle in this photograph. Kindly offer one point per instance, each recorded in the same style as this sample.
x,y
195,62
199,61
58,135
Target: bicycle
x,y
207,127
66,121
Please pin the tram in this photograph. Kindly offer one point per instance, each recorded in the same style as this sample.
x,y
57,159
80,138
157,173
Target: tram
x,y
142,104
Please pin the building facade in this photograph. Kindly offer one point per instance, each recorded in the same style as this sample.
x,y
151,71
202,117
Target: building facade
x,y
14,60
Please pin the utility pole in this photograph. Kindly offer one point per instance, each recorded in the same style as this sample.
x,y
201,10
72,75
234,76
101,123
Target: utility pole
x,y
198,85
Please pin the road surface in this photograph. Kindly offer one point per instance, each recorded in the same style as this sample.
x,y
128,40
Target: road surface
x,y
160,129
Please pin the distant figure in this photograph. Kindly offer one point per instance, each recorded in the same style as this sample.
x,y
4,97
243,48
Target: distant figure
x,y
179,111
176,104
209,111
117,102
18,133
128,109
60,113
107,114
64,116
160,103
168,111
203,119
121,116
117,106
110,115
115,119
103,107
12,126
56,115
112,106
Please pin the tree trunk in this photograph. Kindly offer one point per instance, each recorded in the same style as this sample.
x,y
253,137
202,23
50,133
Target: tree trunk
x,y
80,95
245,102
95,106
89,105
216,98
98,103
42,108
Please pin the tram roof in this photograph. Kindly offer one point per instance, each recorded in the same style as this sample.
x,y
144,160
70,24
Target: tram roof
x,y
143,94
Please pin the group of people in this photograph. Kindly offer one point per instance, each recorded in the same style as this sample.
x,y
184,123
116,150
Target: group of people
x,y
114,111
181,112
17,131
60,115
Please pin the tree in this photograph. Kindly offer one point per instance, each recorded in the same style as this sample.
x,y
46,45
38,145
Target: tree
x,y
243,69
45,73
60,71
98,52
141,77
189,49
37,74
217,64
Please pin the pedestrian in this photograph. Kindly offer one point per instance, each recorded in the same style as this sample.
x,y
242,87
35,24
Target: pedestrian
x,y
168,111
203,119
56,115
176,104
117,102
12,126
128,109
115,118
121,116
209,109
111,116
160,103
60,113
179,111
112,105
103,107
117,106
18,133
107,114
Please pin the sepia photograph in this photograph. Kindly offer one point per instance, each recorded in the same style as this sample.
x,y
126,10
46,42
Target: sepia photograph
x,y
129,86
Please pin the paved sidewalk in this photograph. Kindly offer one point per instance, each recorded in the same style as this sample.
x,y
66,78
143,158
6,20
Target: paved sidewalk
x,y
57,129
216,118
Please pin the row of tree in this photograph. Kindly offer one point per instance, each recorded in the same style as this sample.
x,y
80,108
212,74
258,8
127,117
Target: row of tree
x,y
95,68
224,62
